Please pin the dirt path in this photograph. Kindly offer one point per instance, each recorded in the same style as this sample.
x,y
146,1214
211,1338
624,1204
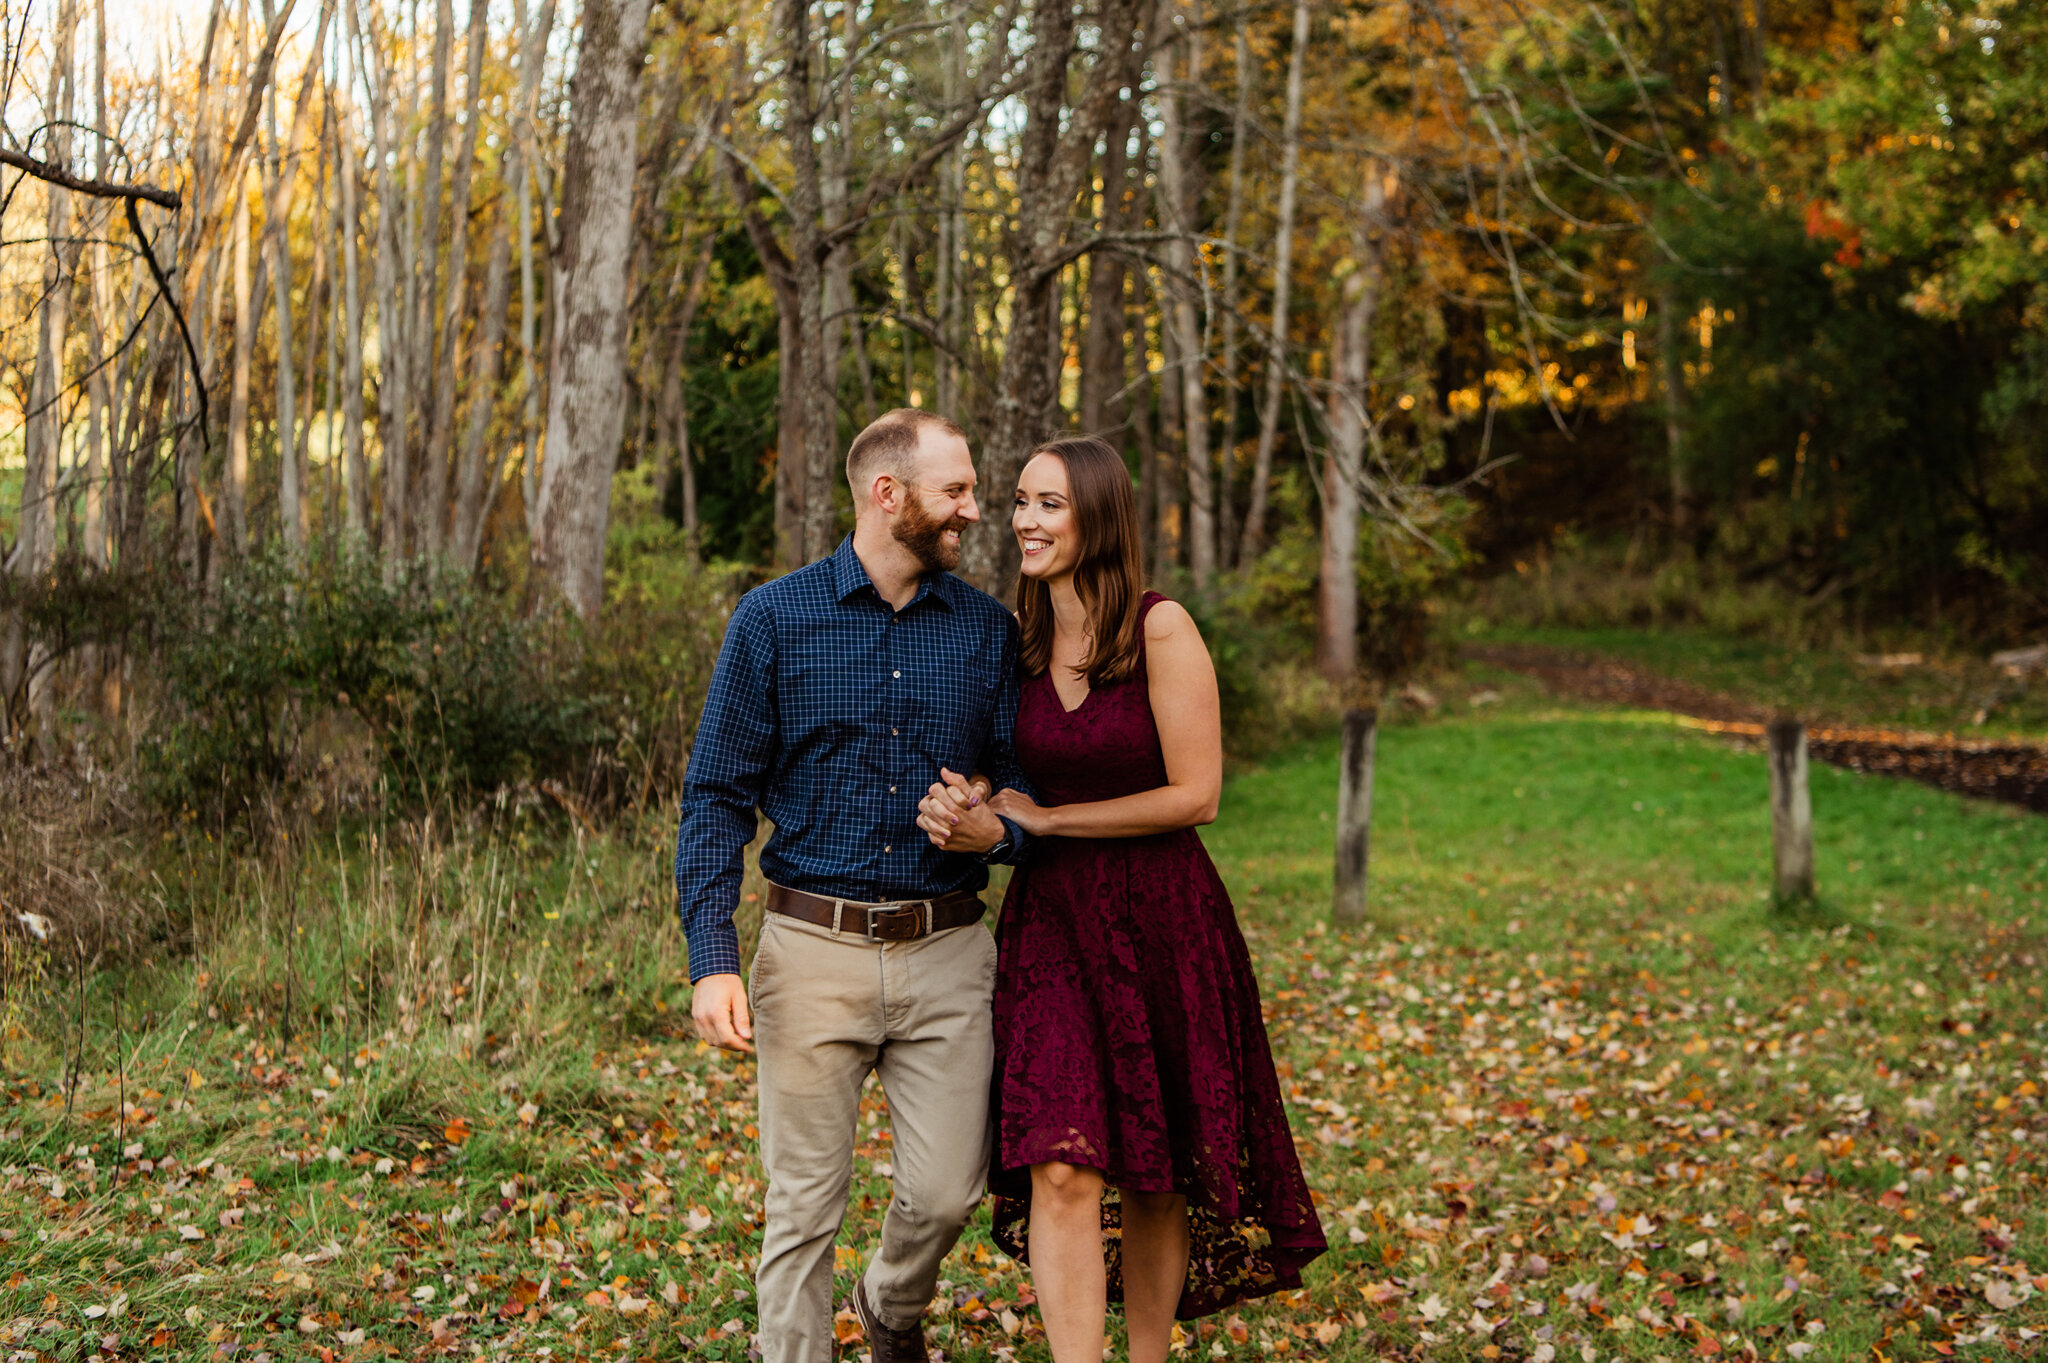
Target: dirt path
x,y
2014,772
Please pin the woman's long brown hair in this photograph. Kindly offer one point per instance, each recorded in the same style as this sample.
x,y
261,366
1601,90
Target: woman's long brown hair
x,y
1110,577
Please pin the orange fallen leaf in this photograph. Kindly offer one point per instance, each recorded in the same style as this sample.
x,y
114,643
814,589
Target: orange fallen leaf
x,y
456,1131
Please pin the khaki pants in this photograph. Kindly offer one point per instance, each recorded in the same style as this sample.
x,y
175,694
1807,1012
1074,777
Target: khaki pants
x,y
826,1012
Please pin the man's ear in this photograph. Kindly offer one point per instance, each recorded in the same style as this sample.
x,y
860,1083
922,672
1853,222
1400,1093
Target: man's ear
x,y
885,493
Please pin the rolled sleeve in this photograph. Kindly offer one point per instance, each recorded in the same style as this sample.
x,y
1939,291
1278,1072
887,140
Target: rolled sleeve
x,y
729,767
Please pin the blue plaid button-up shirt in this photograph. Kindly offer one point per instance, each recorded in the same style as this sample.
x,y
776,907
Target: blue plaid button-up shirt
x,y
831,713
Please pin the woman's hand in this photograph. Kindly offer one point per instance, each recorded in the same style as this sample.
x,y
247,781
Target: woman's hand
x,y
1021,810
956,819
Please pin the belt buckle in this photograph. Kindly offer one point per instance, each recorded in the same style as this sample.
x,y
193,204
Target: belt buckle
x,y
896,923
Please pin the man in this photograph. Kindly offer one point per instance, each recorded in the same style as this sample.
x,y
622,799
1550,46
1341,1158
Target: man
x,y
840,691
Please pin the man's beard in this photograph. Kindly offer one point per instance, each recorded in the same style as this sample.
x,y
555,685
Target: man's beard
x,y
923,534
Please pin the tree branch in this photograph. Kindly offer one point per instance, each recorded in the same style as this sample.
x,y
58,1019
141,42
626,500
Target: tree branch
x,y
99,189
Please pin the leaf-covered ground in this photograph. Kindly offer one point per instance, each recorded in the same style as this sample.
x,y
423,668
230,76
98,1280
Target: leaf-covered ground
x,y
1579,1091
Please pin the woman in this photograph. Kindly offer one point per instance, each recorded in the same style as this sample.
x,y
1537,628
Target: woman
x,y
1142,1150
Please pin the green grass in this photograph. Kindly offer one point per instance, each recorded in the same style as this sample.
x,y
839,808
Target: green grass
x,y
1941,694
1577,1075
11,476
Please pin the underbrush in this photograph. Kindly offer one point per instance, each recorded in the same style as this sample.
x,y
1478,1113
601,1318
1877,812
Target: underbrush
x,y
1578,585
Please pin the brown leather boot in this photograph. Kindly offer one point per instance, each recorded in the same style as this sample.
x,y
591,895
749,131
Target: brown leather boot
x,y
886,1345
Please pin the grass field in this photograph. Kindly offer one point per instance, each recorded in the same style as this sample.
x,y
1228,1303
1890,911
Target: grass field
x,y
1965,696
1579,1091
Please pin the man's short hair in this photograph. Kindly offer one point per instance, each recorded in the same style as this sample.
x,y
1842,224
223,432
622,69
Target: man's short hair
x,y
889,445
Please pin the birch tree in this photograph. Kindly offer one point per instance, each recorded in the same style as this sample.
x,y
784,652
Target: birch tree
x,y
586,369
1253,543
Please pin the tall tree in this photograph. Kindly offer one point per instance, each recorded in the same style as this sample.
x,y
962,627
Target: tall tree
x,y
1254,541
1053,154
586,370
1180,196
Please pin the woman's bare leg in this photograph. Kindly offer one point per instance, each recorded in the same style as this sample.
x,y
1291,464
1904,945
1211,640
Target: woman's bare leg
x,y
1066,1259
1155,1263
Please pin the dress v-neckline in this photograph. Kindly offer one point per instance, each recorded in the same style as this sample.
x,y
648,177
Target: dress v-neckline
x,y
1059,700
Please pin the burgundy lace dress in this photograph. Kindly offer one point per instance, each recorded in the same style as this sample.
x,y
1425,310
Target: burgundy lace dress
x,y
1128,1032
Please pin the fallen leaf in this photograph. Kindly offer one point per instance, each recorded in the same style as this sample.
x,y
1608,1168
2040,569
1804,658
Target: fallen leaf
x,y
456,1131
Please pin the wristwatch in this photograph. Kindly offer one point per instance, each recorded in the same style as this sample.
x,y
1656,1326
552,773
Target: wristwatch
x,y
1001,849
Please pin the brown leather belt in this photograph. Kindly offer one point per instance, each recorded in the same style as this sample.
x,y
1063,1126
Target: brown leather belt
x,y
901,921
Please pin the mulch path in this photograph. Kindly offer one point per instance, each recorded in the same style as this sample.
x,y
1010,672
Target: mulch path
x,y
1995,769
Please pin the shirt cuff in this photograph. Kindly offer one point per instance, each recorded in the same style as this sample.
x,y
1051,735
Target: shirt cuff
x,y
1015,852
714,951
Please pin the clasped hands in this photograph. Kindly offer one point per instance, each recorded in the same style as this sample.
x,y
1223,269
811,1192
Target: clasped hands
x,y
959,815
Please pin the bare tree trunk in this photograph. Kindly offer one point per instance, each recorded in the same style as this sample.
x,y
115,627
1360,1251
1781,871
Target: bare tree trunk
x,y
953,190
1671,363
1344,465
393,395
238,391
1233,218
317,284
529,383
1181,197
1053,156
426,257
790,385
531,64
36,540
1254,541
1102,343
675,414
1172,484
478,476
291,510
818,374
590,319
356,472
442,433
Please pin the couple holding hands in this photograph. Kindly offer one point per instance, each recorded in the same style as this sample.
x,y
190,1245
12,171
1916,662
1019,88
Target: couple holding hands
x,y
1099,1061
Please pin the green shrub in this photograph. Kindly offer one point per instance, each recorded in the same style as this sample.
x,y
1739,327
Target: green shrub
x,y
328,682
294,673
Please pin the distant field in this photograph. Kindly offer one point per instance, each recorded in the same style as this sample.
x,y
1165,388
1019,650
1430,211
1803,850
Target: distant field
x,y
1577,1092
1965,696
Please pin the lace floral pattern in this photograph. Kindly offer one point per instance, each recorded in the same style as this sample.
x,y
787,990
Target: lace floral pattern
x,y
1128,1032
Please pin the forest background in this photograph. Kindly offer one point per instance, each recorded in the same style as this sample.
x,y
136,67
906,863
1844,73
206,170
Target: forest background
x,y
374,312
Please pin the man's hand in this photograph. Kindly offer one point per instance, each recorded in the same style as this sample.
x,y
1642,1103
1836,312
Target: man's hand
x,y
719,1008
955,817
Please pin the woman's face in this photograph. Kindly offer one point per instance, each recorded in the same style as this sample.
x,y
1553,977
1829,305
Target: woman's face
x,y
1047,530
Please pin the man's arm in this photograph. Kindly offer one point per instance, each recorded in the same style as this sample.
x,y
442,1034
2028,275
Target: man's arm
x,y
734,751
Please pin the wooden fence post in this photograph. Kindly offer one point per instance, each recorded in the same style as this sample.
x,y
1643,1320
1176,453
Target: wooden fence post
x,y
1354,812
1791,810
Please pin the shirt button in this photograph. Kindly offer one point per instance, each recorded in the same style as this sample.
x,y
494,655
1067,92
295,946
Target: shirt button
x,y
895,674
892,733
888,849
892,790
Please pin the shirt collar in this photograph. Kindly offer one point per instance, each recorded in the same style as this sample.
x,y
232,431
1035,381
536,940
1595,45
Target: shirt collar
x,y
850,576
